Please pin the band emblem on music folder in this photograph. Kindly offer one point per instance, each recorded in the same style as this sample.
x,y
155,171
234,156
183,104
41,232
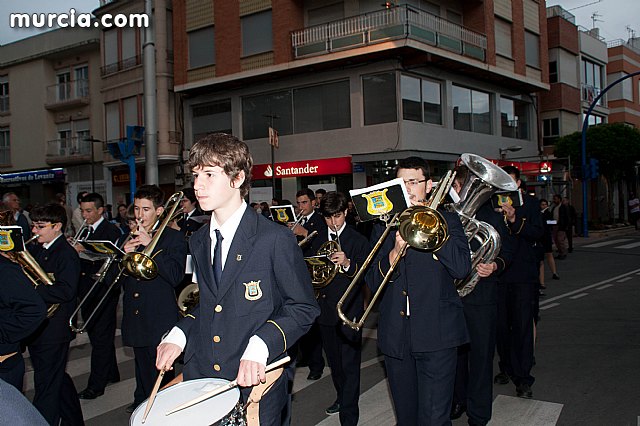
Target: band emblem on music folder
x,y
252,290
6,242
378,203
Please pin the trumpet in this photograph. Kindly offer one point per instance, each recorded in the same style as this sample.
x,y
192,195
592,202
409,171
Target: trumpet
x,y
421,227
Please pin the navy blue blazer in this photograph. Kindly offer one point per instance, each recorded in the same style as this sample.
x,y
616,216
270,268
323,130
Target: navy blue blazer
x,y
105,231
189,226
62,261
149,307
21,309
265,291
528,230
356,248
437,318
315,223
486,290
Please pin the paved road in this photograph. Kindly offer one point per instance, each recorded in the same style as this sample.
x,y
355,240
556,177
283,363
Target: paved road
x,y
587,355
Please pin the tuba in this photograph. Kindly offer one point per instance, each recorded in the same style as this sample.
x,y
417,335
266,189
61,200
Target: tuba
x,y
29,265
322,273
484,180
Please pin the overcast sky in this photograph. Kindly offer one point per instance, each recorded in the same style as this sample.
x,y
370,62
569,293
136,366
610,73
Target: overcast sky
x,y
616,15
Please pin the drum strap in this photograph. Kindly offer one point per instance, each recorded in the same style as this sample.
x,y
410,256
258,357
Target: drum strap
x,y
253,406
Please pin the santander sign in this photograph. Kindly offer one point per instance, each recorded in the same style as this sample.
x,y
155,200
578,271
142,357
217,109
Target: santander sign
x,y
326,166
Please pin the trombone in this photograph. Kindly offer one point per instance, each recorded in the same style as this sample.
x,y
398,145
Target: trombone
x,y
421,227
137,264
83,230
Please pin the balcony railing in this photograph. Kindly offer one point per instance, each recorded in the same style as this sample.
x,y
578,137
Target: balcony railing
x,y
122,65
388,24
559,11
69,150
70,92
589,93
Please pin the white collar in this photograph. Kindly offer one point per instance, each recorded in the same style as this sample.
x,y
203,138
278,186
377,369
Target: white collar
x,y
50,243
340,231
97,223
230,226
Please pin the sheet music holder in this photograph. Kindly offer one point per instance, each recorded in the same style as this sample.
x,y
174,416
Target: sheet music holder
x,y
284,214
387,198
11,239
97,250
319,260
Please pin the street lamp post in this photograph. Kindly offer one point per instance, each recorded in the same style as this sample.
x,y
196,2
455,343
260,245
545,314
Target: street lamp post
x,y
93,175
512,148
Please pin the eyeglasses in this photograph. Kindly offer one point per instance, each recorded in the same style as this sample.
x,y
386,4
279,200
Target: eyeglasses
x,y
413,182
41,226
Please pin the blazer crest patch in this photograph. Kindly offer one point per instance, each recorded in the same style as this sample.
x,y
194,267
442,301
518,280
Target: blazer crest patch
x,y
252,290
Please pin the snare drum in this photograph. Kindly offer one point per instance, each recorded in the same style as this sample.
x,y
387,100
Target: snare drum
x,y
223,409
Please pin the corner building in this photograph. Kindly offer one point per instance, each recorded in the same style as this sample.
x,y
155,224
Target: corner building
x,y
351,86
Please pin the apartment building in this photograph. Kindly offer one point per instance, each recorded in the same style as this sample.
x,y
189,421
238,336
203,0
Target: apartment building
x,y
351,86
122,88
50,107
624,99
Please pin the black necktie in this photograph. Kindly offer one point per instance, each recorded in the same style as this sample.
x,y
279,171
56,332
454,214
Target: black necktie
x,y
217,258
334,236
89,232
303,221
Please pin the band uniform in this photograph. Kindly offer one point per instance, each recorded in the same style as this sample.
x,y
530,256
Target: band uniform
x,y
265,290
342,344
55,394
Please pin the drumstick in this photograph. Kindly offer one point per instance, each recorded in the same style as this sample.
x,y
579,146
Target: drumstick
x,y
152,397
224,388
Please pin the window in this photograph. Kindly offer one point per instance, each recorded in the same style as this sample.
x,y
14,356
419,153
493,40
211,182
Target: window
x,y
130,111
257,113
553,72
64,87
128,43
421,100
211,117
110,47
202,47
4,94
81,76
324,14
321,107
503,38
112,121
257,35
514,118
5,146
550,131
471,110
592,82
379,93
594,120
532,49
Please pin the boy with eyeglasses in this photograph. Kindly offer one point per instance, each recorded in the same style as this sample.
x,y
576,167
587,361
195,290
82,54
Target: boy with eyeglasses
x,y
55,394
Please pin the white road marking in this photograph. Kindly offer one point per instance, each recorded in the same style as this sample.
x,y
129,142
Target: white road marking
x,y
552,305
605,286
607,243
578,296
628,246
581,290
624,279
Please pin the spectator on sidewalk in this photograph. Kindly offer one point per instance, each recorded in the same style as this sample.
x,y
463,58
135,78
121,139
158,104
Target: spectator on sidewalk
x,y
547,244
573,220
559,230
634,209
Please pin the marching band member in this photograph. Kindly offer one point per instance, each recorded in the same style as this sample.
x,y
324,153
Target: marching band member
x,y
21,312
55,394
517,293
256,300
421,321
190,210
102,331
149,306
309,349
474,374
342,344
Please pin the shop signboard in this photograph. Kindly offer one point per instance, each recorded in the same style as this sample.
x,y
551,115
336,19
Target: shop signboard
x,y
323,167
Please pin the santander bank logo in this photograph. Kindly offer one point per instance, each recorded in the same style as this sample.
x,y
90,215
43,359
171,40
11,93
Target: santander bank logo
x,y
268,172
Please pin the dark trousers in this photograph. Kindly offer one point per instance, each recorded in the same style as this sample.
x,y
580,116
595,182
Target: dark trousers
x,y
12,371
474,372
344,358
310,350
55,394
102,334
273,403
515,330
421,385
146,373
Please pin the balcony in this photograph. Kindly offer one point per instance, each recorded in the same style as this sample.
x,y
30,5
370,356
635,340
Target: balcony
x,y
589,93
68,151
122,65
68,95
401,22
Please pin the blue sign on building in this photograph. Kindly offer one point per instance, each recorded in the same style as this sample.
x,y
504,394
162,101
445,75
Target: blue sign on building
x,y
48,175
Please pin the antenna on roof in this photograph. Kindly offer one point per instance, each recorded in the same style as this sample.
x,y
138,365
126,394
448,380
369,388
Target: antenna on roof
x,y
594,19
